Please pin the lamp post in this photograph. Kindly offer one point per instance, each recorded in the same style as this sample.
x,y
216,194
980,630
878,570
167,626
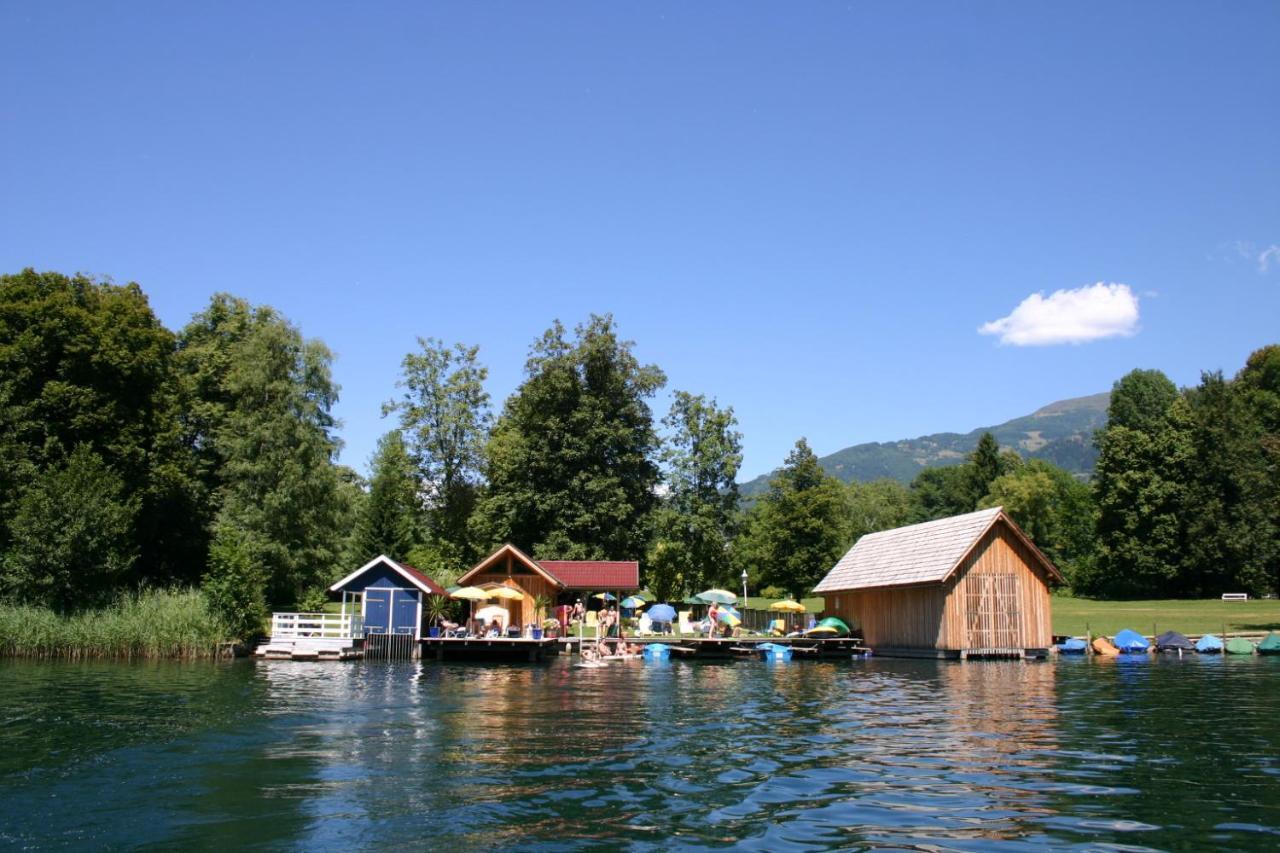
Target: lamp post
x,y
744,591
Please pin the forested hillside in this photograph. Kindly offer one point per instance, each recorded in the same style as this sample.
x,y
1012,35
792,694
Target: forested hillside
x,y
1061,433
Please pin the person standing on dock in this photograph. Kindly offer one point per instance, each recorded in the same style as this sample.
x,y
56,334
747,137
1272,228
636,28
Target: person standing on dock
x,y
713,616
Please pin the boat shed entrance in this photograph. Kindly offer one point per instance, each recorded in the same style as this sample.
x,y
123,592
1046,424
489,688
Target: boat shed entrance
x,y
390,596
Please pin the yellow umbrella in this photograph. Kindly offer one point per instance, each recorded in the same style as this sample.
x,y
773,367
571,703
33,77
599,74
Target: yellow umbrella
x,y
788,606
505,592
470,593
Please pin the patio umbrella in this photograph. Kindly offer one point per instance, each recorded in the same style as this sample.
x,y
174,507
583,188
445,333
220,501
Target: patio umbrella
x,y
605,596
635,602
472,594
662,613
505,592
788,606
729,616
719,596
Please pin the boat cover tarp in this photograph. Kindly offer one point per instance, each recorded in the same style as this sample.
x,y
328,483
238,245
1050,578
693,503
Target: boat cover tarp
x,y
1208,645
1270,645
1106,648
1131,641
1239,646
835,622
657,651
1171,641
1073,646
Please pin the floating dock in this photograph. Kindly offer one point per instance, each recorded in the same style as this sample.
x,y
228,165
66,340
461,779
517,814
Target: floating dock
x,y
515,649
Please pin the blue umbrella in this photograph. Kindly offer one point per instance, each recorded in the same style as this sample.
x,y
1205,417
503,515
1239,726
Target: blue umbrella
x,y
662,613
607,596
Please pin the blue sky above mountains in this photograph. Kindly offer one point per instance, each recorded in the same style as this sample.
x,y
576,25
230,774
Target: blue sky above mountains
x,y
851,222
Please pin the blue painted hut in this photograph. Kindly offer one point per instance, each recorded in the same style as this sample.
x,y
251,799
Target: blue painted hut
x,y
390,596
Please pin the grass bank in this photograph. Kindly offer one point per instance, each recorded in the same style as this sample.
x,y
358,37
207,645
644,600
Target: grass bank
x,y
1212,616
152,624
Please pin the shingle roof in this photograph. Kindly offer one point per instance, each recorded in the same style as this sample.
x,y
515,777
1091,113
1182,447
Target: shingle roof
x,y
621,575
430,585
918,553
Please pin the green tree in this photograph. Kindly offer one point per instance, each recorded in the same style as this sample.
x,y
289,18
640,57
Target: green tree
x,y
941,492
1141,487
571,461
1232,535
390,521
879,505
235,583
87,363
798,529
695,521
259,399
445,418
71,538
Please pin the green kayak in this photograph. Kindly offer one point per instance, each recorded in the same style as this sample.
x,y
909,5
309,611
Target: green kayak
x,y
1271,645
1239,646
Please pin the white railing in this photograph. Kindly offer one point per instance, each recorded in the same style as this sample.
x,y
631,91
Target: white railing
x,y
335,626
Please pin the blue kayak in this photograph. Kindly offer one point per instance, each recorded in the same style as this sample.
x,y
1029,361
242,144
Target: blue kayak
x,y
1209,645
1073,646
1131,642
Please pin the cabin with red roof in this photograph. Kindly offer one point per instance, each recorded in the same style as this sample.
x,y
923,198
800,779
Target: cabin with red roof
x,y
559,581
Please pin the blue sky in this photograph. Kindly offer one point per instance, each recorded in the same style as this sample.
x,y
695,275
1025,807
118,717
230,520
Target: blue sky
x,y
807,211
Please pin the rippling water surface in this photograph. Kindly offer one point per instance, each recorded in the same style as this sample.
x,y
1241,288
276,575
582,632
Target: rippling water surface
x,y
1165,754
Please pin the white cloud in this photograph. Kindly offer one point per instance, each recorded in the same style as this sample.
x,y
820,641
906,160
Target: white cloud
x,y
1269,256
1087,313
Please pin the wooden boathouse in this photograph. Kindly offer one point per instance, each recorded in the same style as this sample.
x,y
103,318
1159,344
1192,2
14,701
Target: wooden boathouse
x,y
971,585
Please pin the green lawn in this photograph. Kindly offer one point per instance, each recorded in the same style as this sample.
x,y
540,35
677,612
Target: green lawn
x,y
1075,616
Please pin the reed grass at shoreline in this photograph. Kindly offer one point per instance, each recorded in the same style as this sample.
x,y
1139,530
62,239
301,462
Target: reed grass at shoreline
x,y
153,624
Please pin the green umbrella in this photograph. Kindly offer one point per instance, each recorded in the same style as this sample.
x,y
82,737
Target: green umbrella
x,y
719,596
633,601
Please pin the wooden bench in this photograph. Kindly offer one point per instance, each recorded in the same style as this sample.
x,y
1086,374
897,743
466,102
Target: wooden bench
x,y
1235,596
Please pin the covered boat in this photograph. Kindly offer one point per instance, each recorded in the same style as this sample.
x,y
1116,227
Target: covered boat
x,y
1106,648
1270,645
1239,646
832,626
1072,646
1172,641
657,651
1131,642
1209,645
774,652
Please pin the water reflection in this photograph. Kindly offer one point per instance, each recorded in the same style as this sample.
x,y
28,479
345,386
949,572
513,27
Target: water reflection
x,y
808,755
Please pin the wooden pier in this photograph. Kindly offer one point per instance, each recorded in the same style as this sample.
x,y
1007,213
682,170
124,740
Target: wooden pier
x,y
724,648
511,649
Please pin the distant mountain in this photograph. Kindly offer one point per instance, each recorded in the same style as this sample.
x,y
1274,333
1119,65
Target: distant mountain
x,y
1061,433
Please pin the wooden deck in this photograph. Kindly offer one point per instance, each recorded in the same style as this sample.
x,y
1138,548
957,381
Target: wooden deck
x,y
510,649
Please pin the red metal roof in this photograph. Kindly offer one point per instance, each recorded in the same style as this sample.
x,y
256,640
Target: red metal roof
x,y
435,588
600,575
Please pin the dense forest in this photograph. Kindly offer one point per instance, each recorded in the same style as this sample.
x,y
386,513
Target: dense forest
x,y
133,456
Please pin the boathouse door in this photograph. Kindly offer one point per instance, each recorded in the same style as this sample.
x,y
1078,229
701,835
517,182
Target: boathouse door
x,y
992,605
389,610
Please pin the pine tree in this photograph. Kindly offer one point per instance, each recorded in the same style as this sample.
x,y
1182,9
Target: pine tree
x,y
390,521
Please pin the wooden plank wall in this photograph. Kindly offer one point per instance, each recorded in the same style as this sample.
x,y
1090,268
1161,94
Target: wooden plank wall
x,y
937,616
521,611
1001,553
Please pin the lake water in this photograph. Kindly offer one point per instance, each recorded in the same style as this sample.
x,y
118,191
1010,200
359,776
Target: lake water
x,y
1168,754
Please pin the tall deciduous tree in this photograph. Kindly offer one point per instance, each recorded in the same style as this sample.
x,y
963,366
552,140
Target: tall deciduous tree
x,y
445,418
798,528
1141,489
390,522
571,461
87,362
879,505
695,522
259,399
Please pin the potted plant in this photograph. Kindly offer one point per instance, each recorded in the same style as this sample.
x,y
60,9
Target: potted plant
x,y
541,602
437,608
550,626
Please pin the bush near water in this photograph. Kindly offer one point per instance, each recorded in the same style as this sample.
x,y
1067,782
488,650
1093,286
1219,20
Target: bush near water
x,y
150,624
